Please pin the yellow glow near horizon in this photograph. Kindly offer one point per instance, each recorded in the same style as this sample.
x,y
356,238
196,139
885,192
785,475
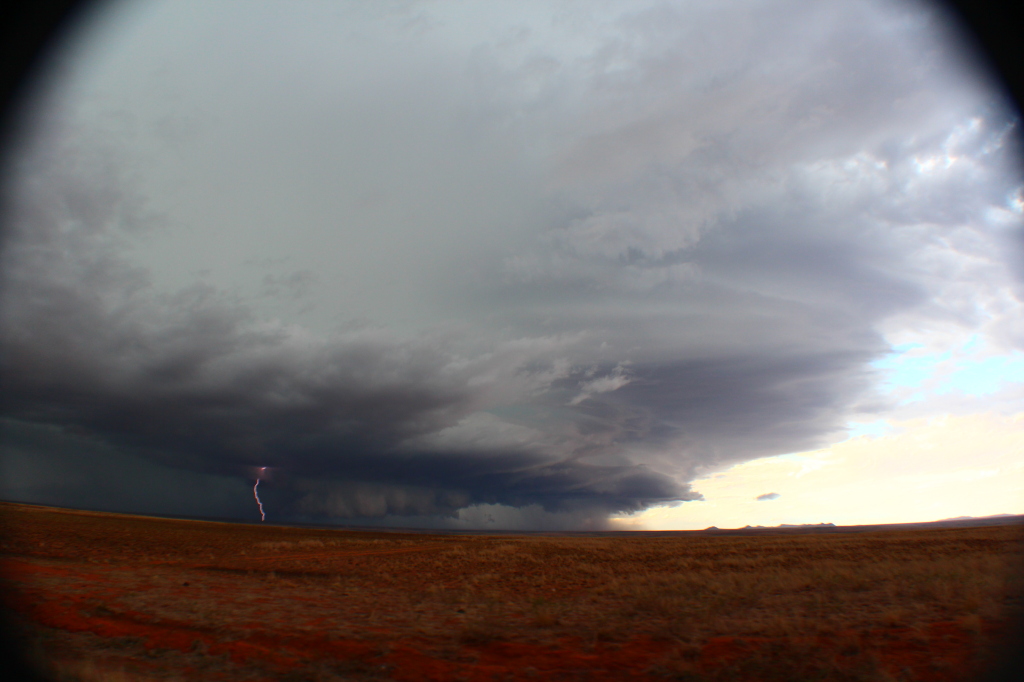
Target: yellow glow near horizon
x,y
926,470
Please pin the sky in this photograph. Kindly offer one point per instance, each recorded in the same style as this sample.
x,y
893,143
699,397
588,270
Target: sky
x,y
515,265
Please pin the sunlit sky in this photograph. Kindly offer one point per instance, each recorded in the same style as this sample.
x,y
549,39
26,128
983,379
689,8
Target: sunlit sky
x,y
516,265
922,469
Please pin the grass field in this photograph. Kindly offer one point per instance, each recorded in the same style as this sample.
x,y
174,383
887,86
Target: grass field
x,y
110,597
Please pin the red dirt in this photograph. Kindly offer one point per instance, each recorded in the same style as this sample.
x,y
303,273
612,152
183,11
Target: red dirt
x,y
407,659
943,652
939,652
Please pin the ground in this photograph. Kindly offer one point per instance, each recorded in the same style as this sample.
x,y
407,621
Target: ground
x,y
108,597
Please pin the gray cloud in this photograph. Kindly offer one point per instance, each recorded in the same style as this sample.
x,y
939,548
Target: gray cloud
x,y
516,268
768,496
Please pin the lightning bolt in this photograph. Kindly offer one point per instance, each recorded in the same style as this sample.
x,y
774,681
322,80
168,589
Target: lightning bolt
x,y
256,494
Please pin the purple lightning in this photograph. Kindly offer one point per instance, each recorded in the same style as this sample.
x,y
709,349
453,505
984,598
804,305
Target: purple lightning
x,y
256,494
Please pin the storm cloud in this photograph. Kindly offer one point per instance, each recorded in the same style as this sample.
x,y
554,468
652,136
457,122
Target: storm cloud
x,y
542,262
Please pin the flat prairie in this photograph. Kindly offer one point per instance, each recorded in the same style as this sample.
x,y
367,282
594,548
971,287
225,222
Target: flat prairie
x,y
109,597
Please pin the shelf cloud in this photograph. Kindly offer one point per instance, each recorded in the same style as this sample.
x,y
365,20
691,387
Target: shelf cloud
x,y
503,262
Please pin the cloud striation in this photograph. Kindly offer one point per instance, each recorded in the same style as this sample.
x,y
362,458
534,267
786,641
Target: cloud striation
x,y
605,257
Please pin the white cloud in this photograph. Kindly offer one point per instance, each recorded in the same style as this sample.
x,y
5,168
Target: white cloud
x,y
618,378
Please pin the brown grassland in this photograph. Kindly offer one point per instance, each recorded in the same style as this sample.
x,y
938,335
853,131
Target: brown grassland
x,y
106,598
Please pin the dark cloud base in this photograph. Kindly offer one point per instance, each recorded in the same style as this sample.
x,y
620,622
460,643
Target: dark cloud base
x,y
697,281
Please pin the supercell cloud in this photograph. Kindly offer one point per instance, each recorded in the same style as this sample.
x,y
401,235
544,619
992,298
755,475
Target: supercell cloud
x,y
518,265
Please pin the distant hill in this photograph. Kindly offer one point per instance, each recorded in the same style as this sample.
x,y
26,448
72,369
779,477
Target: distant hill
x,y
799,529
962,518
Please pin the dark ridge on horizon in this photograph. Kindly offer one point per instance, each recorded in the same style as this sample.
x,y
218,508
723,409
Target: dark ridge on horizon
x,y
956,522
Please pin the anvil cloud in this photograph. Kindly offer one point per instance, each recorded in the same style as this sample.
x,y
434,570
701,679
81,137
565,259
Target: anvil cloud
x,y
520,264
